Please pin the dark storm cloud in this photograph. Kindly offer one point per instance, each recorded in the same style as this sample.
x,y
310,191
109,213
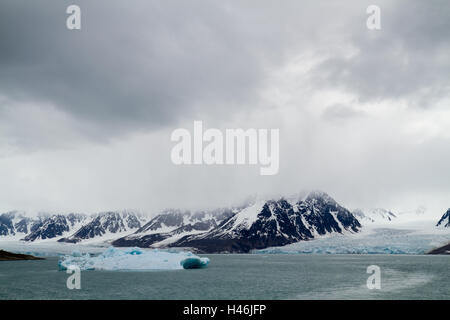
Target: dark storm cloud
x,y
150,64
408,58
145,65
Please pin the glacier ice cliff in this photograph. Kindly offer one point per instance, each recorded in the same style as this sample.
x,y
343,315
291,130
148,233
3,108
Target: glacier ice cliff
x,y
376,241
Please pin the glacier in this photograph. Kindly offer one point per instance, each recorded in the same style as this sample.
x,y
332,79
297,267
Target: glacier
x,y
133,259
380,240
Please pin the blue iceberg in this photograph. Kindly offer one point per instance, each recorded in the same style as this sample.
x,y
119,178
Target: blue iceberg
x,y
194,263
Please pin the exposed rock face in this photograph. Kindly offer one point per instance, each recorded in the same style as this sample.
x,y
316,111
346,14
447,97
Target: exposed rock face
x,y
442,250
445,220
15,223
48,228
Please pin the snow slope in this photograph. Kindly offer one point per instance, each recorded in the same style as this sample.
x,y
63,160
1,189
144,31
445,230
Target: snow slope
x,y
374,216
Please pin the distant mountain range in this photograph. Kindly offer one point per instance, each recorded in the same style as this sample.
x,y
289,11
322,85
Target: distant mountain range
x,y
106,223
72,228
172,225
255,225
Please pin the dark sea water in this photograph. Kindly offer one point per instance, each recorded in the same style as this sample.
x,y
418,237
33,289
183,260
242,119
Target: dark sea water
x,y
258,276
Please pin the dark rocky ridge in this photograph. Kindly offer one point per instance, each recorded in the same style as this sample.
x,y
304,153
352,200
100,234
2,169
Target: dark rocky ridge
x,y
51,227
442,250
445,220
9,256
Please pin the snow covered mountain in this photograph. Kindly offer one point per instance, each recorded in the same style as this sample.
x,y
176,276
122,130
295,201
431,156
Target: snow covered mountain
x,y
171,225
71,227
106,223
15,223
275,223
48,227
258,225
375,215
445,220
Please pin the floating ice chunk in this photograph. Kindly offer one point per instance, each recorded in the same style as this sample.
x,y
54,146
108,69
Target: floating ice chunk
x,y
133,259
76,253
194,262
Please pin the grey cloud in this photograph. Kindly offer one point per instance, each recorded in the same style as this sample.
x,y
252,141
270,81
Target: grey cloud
x,y
130,67
150,64
341,112
408,58
142,67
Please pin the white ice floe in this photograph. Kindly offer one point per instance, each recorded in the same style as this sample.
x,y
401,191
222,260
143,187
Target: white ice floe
x,y
133,259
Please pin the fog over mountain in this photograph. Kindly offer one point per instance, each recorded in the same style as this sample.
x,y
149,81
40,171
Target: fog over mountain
x,y
86,116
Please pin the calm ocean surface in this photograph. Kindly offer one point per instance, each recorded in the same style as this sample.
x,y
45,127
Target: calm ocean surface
x,y
241,277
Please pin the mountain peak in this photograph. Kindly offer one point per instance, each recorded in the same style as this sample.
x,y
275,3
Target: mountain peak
x,y
445,220
374,215
319,195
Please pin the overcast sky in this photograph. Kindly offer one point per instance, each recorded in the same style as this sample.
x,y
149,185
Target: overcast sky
x,y
86,115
